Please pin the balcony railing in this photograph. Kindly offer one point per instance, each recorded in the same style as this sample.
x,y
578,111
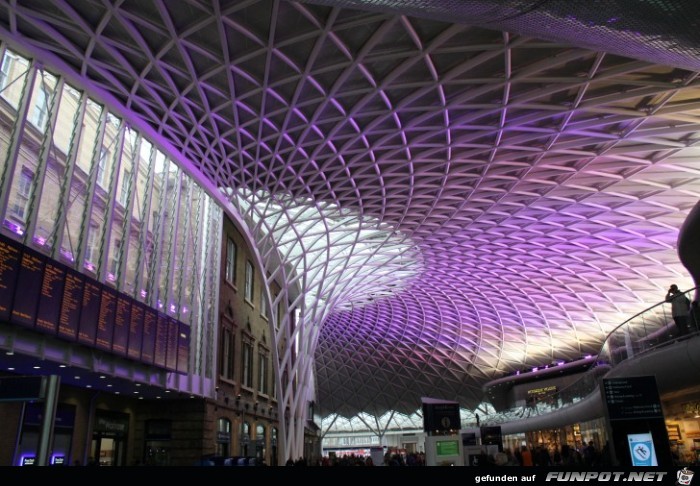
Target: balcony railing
x,y
650,329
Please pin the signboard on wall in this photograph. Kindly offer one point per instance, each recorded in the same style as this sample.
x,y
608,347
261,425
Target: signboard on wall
x,y
632,398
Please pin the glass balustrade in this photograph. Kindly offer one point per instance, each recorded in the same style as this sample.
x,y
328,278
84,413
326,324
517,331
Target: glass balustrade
x,y
648,330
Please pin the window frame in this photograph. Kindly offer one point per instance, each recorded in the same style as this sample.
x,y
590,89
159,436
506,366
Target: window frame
x,y
247,364
230,262
249,282
20,203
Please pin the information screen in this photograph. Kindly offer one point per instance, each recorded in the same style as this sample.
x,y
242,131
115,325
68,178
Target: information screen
x,y
173,335
29,281
135,330
121,325
447,448
71,304
150,320
39,293
183,348
49,312
105,322
90,312
632,398
161,340
10,256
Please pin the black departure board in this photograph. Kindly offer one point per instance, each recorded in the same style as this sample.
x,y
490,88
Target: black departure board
x,y
52,298
49,311
173,335
29,281
10,256
161,340
183,348
90,312
121,325
71,304
135,331
105,320
150,321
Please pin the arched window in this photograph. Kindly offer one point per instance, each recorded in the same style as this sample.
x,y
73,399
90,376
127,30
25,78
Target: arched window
x,y
245,438
223,437
274,460
260,442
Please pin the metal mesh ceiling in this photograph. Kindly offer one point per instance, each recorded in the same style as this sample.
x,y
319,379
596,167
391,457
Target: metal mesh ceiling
x,y
525,194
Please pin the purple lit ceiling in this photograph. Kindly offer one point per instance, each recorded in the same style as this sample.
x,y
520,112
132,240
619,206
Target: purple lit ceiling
x,y
542,184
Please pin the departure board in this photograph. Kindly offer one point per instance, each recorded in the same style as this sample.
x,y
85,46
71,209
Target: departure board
x,y
29,281
105,320
183,348
10,256
71,304
135,331
121,325
90,312
150,321
50,298
173,334
161,340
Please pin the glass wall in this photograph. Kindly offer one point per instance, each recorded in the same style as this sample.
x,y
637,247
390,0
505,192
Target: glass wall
x,y
83,186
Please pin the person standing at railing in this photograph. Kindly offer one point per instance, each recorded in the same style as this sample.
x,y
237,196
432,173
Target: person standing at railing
x,y
680,308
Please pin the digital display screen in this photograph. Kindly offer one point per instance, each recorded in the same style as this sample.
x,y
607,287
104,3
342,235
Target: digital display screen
x,y
161,340
105,321
447,448
10,256
29,281
92,293
183,348
135,331
49,312
642,449
71,305
150,319
52,298
121,325
173,335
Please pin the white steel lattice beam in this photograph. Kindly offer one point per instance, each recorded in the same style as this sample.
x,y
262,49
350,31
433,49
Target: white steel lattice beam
x,y
440,203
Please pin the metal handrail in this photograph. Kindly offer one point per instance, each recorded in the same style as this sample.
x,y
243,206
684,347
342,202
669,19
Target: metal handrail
x,y
621,343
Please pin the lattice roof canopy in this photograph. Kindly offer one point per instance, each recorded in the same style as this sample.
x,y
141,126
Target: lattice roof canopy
x,y
453,201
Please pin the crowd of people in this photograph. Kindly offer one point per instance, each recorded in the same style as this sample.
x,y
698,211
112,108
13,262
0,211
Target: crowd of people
x,y
587,456
390,459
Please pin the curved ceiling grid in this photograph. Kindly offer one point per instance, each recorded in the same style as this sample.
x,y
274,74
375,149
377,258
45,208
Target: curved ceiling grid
x,y
543,184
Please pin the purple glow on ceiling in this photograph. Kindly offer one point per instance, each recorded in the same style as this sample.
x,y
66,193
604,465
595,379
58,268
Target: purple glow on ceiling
x,y
542,184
